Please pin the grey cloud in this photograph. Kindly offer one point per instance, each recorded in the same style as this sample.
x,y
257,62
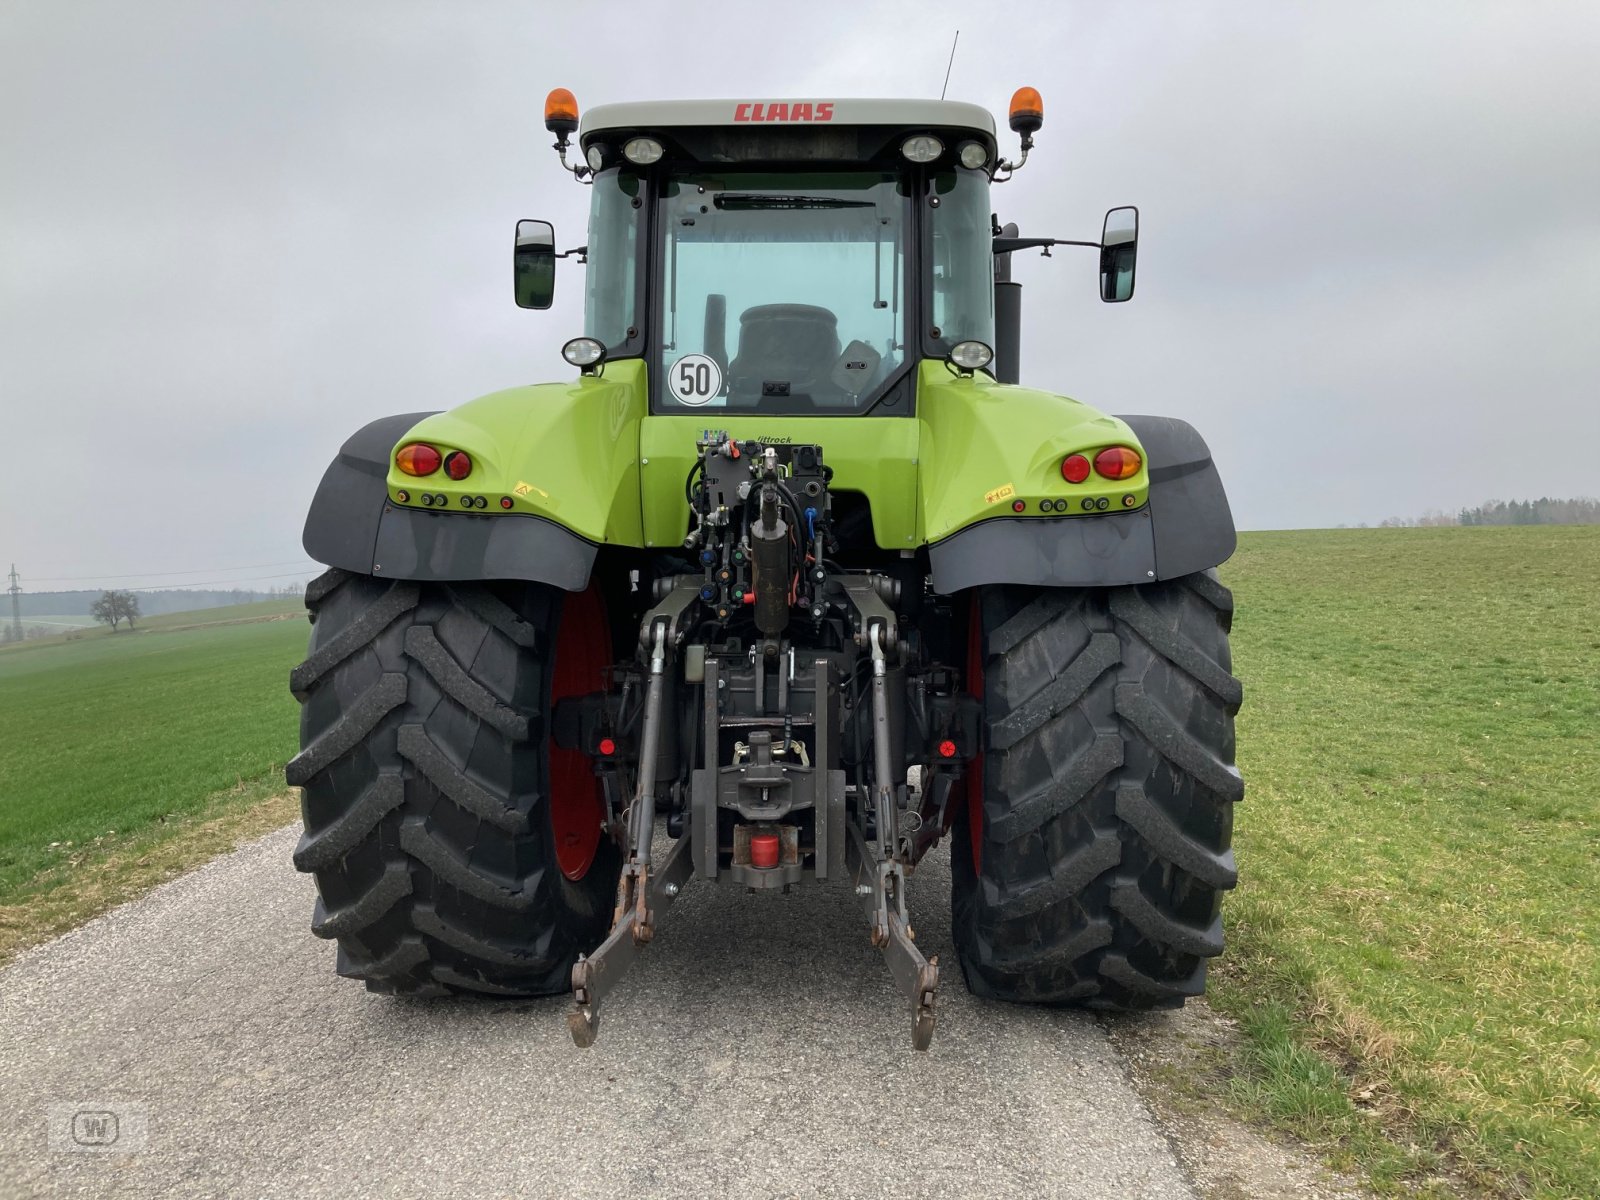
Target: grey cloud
x,y
234,233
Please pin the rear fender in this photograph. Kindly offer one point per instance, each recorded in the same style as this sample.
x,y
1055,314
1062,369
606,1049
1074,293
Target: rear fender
x,y
1184,524
555,466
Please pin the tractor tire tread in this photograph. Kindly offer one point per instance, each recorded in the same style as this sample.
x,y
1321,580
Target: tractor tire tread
x,y
328,845
374,620
1096,874
354,917
423,645
1080,778
427,919
495,613
1151,822
425,789
353,726
421,839
1101,654
1161,927
1086,863
407,954
417,748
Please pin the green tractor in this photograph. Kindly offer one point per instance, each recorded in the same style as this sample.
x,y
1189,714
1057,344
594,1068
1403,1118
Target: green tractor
x,y
791,582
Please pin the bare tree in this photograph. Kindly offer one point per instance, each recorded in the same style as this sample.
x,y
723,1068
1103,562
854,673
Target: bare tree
x,y
114,607
106,610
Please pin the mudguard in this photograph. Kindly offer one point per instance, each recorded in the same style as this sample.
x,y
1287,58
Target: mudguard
x,y
1185,526
352,525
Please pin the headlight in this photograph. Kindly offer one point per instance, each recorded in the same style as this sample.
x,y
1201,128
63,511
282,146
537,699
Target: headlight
x,y
642,151
971,356
596,157
583,352
973,156
923,148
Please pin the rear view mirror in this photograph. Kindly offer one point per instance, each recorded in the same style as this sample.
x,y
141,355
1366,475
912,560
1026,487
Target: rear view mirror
x,y
1119,248
534,264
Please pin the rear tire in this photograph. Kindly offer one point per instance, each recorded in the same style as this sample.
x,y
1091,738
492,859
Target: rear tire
x,y
425,765
1091,862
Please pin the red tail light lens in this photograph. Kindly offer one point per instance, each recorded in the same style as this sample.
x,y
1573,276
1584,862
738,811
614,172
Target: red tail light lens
x,y
1118,462
947,749
417,458
1074,468
457,465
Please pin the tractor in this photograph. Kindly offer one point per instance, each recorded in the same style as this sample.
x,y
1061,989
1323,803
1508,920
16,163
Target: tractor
x,y
790,583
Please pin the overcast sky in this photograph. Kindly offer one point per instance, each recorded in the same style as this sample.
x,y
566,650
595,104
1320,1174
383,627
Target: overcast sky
x,y
230,234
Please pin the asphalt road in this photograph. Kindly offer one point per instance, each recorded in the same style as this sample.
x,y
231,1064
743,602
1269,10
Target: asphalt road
x,y
757,1049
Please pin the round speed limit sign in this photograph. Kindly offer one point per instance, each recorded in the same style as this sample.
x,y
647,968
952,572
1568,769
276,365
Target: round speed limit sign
x,y
694,379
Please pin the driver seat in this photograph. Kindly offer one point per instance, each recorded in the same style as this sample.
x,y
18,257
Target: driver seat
x,y
796,344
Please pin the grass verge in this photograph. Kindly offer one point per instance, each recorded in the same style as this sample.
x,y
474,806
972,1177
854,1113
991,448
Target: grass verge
x,y
109,870
126,760
1413,944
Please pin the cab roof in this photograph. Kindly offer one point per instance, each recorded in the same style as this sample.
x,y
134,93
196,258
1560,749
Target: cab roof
x,y
666,115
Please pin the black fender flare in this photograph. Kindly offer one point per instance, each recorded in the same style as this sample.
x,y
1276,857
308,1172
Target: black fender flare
x,y
353,525
1185,527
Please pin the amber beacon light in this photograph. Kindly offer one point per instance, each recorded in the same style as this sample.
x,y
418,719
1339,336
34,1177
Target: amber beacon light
x,y
1027,110
560,111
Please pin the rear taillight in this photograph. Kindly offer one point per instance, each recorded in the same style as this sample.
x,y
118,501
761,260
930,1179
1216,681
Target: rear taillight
x,y
1118,462
457,465
417,458
1074,468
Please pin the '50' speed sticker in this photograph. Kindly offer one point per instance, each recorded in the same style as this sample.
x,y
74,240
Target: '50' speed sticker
x,y
694,379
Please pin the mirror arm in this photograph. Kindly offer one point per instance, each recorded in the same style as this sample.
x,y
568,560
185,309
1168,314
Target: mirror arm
x,y
580,251
1005,245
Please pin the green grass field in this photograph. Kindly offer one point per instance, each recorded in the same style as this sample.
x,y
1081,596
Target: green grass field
x,y
1413,943
119,733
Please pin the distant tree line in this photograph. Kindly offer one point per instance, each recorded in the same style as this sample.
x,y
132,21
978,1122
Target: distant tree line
x,y
1582,510
152,604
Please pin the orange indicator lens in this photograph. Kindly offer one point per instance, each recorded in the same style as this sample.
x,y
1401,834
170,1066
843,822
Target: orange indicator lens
x,y
1118,462
417,458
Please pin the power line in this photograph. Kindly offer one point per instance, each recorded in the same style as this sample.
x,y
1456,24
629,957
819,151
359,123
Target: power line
x,y
234,583
283,562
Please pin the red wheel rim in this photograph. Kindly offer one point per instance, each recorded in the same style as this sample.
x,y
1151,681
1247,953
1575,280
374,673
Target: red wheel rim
x,y
974,778
576,808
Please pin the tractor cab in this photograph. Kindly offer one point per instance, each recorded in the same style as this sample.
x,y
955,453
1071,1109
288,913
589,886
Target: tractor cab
x,y
784,257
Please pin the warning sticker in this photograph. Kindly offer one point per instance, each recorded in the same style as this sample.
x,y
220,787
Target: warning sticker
x,y
522,489
999,494
694,379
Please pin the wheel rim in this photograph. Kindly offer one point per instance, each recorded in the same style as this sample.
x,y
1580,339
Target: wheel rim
x,y
576,806
974,776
